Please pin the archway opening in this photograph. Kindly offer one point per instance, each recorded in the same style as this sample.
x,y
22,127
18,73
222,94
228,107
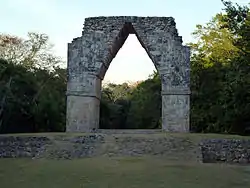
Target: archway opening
x,y
131,89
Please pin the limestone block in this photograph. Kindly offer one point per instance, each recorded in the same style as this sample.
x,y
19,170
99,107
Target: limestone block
x,y
84,84
82,113
175,113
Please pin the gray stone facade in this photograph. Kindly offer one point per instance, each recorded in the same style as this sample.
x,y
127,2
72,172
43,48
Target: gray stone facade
x,y
90,55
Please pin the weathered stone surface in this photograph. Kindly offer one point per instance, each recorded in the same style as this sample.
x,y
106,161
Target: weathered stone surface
x,y
12,147
82,113
85,85
225,151
183,148
111,145
90,55
75,147
175,113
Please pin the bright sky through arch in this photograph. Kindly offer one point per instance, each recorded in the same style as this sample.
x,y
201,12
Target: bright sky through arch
x,y
63,20
131,54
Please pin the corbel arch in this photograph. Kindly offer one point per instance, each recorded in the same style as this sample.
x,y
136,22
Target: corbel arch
x,y
90,55
116,45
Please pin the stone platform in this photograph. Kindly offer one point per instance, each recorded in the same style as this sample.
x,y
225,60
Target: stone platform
x,y
129,131
120,143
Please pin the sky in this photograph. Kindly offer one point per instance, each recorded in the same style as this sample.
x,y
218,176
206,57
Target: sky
x,y
62,20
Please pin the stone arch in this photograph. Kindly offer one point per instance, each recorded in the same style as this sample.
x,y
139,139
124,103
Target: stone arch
x,y
90,55
118,42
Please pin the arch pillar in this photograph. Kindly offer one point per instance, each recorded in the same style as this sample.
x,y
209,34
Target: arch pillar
x,y
175,110
83,103
175,91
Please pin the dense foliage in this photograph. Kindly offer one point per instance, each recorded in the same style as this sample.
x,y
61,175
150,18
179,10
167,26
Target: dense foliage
x,y
220,73
132,107
32,86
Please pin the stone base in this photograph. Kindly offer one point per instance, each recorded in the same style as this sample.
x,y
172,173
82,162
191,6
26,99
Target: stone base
x,y
82,114
175,113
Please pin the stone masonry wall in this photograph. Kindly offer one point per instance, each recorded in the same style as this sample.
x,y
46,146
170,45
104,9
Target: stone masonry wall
x,y
90,55
225,151
182,148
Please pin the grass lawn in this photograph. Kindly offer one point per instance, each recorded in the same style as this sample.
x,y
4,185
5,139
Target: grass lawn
x,y
130,172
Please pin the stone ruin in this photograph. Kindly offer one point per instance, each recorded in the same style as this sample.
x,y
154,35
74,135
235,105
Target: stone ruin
x,y
90,55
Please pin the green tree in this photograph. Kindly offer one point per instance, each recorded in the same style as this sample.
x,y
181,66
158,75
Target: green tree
x,y
35,51
145,110
32,94
115,104
220,79
214,43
